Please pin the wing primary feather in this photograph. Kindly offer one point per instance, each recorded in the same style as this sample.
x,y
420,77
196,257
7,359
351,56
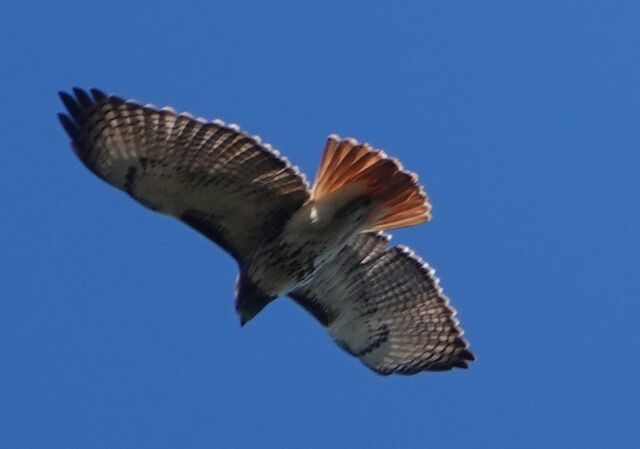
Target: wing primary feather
x,y
98,95
69,126
72,106
85,101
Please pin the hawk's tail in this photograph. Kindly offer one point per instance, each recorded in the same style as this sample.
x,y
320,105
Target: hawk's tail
x,y
398,200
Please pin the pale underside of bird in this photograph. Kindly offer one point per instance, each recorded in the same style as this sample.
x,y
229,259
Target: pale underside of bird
x,y
323,246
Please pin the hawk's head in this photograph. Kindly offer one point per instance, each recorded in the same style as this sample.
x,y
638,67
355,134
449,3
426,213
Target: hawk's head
x,y
250,300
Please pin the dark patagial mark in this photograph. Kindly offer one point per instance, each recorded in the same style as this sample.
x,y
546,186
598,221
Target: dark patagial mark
x,y
204,224
324,315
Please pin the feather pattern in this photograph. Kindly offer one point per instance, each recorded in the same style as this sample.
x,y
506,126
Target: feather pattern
x,y
217,179
385,306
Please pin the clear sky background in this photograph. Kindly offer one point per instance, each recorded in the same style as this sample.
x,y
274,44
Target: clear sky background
x,y
117,325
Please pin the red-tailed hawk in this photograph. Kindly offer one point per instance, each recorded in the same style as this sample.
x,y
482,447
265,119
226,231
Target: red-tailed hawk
x,y
323,246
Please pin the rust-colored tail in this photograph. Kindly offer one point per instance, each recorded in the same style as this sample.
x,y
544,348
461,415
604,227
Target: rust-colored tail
x,y
398,200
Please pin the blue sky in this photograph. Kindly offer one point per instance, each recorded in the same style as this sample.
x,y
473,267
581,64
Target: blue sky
x,y
117,326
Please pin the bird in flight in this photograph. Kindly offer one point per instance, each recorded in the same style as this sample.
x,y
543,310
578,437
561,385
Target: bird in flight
x,y
323,246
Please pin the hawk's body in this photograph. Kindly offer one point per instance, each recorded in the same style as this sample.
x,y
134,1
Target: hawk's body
x,y
320,246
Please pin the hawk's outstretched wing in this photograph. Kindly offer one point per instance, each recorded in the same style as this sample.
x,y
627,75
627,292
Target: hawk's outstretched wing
x,y
383,305
213,177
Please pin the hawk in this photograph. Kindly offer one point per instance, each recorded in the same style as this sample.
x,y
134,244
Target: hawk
x,y
324,246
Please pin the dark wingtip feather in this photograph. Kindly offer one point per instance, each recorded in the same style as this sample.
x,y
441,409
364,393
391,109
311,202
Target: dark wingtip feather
x,y
467,355
447,367
98,95
83,98
68,125
461,364
71,105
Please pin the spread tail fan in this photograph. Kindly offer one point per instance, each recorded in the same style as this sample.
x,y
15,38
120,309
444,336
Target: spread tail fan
x,y
398,200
